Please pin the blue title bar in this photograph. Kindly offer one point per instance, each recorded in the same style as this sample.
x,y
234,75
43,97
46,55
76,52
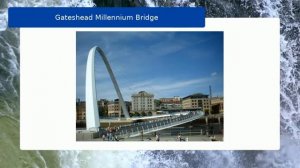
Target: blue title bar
x,y
106,17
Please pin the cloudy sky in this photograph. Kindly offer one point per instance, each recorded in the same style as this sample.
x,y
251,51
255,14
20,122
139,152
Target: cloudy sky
x,y
166,64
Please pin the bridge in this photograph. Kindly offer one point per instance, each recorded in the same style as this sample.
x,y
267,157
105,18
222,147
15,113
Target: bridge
x,y
151,123
92,116
138,129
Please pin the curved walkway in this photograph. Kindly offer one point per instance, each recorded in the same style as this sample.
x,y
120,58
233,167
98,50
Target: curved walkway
x,y
138,129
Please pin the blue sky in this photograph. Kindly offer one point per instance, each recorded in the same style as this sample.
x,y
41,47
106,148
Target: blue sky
x,y
165,64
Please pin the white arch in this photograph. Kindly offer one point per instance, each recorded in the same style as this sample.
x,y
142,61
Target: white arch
x,y
92,115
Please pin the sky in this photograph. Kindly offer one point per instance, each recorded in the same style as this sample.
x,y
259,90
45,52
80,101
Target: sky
x,y
166,64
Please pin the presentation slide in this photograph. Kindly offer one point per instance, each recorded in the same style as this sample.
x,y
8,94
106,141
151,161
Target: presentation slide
x,y
149,83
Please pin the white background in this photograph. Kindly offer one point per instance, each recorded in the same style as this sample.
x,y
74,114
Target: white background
x,y
251,88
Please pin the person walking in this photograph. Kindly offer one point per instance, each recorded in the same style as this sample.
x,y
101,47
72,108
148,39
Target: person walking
x,y
109,134
178,137
157,137
103,136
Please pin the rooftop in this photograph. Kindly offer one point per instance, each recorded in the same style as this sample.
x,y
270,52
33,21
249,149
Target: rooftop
x,y
142,93
196,95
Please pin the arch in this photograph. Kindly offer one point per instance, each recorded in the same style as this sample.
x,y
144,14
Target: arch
x,y
92,115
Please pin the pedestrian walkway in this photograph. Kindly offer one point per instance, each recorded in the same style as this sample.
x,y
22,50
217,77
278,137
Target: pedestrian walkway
x,y
138,129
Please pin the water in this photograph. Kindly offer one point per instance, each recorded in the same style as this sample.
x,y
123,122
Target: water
x,y
150,3
3,20
288,156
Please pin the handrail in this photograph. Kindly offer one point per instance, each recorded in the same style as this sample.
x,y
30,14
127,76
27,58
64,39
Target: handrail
x,y
157,125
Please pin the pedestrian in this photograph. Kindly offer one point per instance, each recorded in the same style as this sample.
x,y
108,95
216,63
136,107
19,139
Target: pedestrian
x,y
213,138
157,137
178,137
113,132
116,138
109,134
103,136
142,135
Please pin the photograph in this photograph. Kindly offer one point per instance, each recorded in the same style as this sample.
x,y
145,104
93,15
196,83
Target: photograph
x,y
149,86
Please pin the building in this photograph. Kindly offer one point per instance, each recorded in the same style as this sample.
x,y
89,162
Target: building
x,y
114,108
170,103
217,105
80,110
103,107
175,99
143,102
102,103
197,100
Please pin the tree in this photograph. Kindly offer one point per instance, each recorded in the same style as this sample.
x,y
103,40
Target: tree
x,y
136,114
206,112
157,103
103,111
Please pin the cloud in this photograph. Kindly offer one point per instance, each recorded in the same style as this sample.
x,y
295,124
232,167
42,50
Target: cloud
x,y
214,74
163,63
159,87
175,85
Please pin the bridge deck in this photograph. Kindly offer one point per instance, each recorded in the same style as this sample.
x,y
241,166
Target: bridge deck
x,y
138,129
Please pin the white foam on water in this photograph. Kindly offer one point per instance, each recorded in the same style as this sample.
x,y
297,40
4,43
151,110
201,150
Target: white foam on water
x,y
269,8
175,3
287,156
51,3
69,159
107,159
42,158
150,3
3,19
290,114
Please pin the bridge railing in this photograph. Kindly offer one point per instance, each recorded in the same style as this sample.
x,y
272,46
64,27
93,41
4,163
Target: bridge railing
x,y
148,127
